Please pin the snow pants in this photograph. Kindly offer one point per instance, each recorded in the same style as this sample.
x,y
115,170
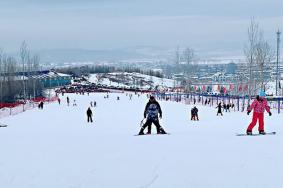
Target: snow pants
x,y
260,118
148,124
89,119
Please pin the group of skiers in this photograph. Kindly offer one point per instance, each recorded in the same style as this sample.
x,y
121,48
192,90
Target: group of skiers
x,y
225,107
153,113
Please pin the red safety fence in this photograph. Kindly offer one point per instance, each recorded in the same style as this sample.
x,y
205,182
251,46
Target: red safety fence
x,y
8,109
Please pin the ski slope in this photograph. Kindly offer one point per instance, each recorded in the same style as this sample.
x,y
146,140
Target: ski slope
x,y
56,148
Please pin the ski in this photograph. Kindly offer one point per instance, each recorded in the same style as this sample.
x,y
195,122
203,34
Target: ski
x,y
154,134
269,133
2,125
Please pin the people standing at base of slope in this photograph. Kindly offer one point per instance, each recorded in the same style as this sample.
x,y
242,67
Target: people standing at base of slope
x,y
219,109
151,112
194,114
91,104
94,103
259,105
68,101
118,98
89,115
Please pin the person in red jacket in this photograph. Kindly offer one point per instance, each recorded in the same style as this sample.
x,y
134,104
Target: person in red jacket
x,y
259,105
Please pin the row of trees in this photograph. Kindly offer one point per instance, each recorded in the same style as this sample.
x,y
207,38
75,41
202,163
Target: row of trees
x,y
259,55
86,70
16,81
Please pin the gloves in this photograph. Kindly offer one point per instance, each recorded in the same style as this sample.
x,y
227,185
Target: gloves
x,y
144,115
160,116
248,112
270,113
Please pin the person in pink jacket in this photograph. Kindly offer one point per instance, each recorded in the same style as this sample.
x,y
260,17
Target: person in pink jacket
x,y
259,105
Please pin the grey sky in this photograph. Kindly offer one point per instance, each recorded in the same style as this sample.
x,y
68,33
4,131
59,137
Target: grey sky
x,y
110,24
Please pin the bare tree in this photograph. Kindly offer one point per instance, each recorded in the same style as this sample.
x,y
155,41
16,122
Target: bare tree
x,y
188,55
250,50
263,55
24,56
177,56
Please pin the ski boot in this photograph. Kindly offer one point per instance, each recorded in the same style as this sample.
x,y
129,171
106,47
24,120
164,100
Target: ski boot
x,y
141,132
161,131
262,132
249,132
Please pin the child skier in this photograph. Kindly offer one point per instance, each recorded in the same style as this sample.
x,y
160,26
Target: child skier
x,y
259,105
151,112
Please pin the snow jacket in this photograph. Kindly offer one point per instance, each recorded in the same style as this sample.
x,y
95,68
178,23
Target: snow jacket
x,y
259,106
89,112
152,109
194,111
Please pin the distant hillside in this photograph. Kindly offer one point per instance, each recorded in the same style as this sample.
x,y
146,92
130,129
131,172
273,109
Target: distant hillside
x,y
80,55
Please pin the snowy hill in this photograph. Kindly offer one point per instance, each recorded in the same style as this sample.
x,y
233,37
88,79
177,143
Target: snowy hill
x,y
128,80
56,147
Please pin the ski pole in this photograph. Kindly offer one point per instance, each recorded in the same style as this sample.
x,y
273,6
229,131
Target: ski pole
x,y
141,124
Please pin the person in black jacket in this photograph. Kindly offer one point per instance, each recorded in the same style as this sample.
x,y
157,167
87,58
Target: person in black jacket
x,y
151,112
89,115
219,111
194,114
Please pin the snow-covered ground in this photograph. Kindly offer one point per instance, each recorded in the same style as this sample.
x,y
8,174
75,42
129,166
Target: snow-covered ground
x,y
56,148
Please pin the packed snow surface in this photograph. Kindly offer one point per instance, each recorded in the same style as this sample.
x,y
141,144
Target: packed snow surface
x,y
56,148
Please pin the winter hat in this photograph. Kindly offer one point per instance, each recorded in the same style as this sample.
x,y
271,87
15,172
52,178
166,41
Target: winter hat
x,y
262,94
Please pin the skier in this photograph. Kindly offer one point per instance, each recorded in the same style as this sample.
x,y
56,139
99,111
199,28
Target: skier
x,y
219,111
68,101
94,103
151,112
89,115
194,114
74,103
91,104
228,107
118,98
59,101
40,105
225,107
259,105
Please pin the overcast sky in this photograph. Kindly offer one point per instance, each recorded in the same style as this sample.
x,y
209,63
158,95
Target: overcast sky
x,y
111,24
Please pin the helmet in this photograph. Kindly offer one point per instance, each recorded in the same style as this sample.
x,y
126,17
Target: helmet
x,y
262,94
151,97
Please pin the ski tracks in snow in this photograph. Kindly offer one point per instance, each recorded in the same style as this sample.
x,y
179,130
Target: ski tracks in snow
x,y
153,179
